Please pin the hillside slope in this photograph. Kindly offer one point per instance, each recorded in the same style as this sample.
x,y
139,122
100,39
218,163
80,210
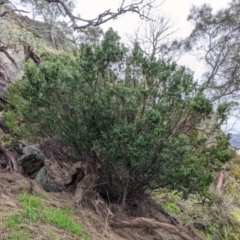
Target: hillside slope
x,y
28,212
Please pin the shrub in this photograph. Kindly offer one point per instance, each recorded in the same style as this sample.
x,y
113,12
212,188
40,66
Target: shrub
x,y
117,107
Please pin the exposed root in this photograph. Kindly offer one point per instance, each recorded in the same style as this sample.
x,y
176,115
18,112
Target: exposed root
x,y
84,175
8,160
85,193
219,181
141,222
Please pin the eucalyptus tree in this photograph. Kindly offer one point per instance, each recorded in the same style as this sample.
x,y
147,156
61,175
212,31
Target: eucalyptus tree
x,y
215,40
156,38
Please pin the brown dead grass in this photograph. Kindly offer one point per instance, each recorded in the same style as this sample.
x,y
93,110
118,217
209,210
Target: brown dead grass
x,y
12,184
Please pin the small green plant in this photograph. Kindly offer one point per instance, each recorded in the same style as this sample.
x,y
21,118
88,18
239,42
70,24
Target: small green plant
x,y
30,201
209,231
10,118
186,217
33,211
51,234
236,214
30,205
13,220
61,218
172,208
18,235
208,237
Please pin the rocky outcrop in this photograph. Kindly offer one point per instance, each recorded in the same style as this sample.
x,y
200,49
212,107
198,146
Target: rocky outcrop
x,y
34,165
18,34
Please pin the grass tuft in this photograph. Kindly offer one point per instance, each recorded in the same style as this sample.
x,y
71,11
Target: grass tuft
x,y
13,220
61,218
34,211
18,235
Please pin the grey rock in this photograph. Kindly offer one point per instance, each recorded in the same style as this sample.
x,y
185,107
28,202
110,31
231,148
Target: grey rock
x,y
31,160
48,184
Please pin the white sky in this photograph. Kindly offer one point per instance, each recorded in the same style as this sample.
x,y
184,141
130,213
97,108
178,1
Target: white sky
x,y
177,10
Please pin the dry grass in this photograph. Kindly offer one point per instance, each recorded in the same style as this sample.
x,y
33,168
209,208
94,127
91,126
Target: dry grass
x,y
12,185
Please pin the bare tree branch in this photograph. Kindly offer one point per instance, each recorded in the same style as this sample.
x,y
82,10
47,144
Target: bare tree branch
x,y
138,8
13,10
215,40
31,54
12,162
155,39
4,50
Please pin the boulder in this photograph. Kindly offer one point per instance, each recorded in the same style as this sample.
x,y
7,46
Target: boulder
x,y
48,184
31,160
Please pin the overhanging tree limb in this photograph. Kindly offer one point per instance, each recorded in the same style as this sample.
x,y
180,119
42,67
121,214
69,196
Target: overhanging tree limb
x,y
4,50
13,10
107,15
12,162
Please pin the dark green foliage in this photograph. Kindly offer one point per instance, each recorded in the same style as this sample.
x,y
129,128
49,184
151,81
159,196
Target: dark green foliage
x,y
132,114
223,111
